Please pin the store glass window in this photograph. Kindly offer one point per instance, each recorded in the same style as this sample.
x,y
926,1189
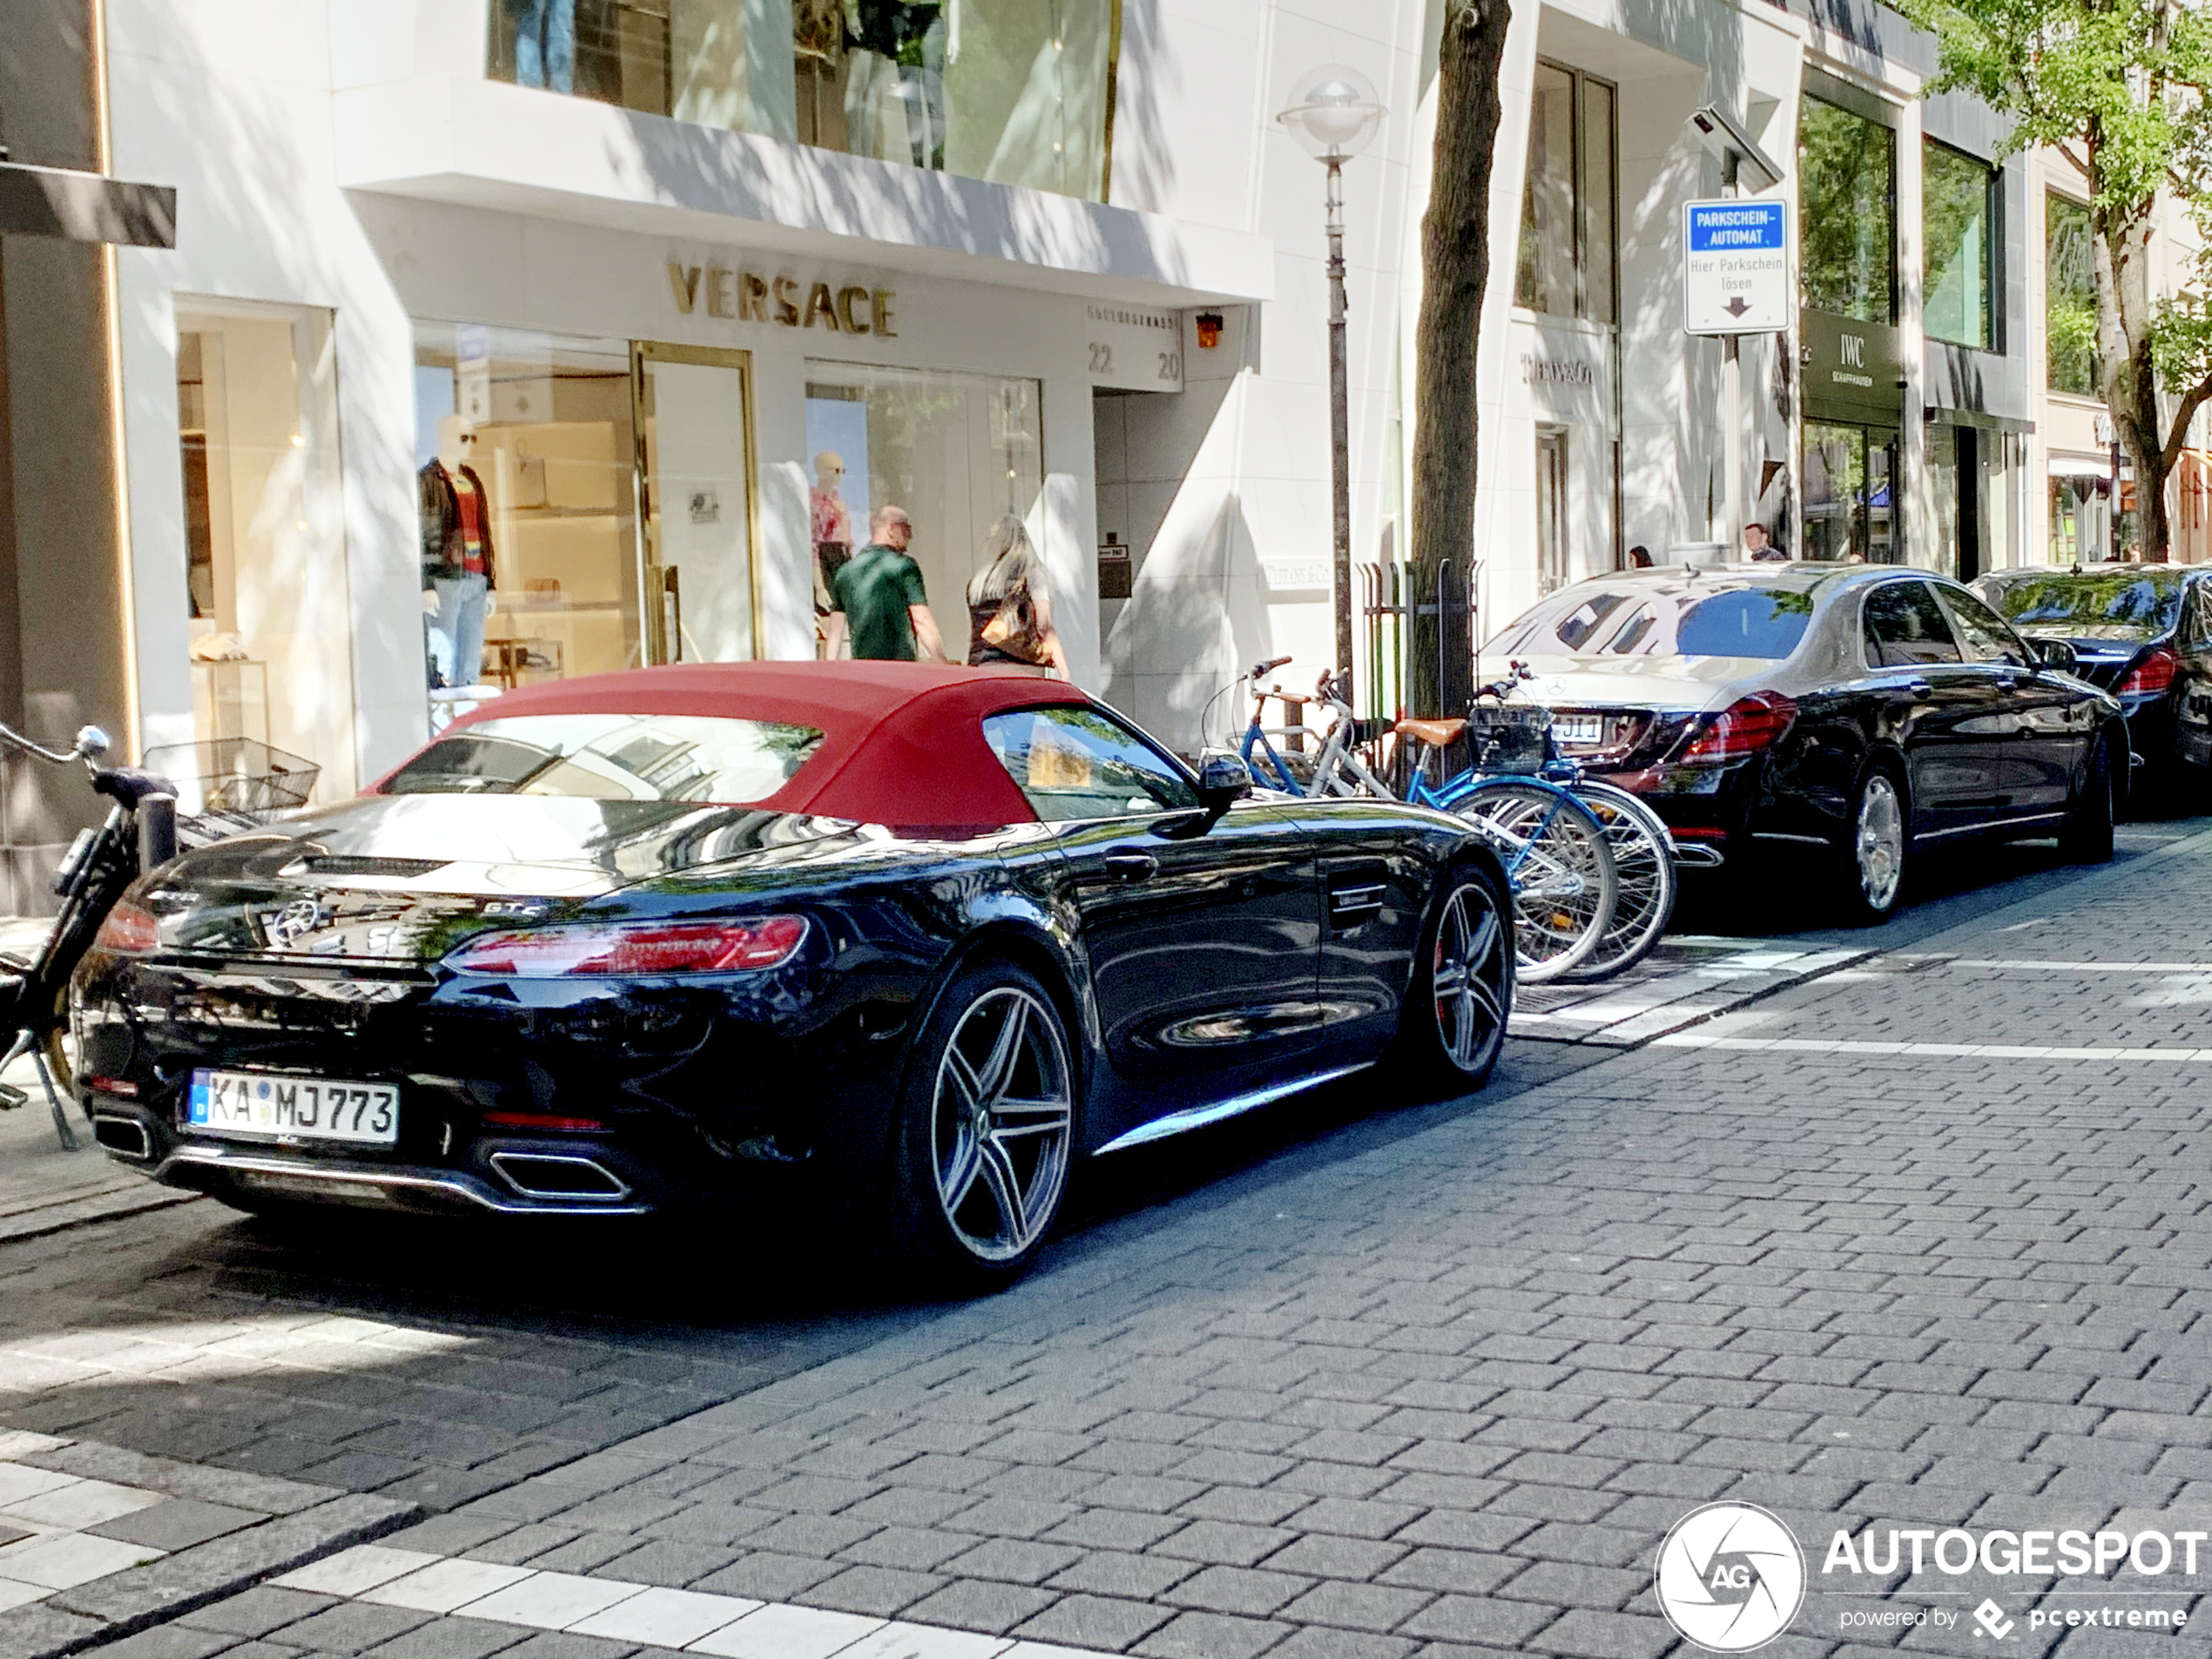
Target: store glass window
x,y
271,613
1846,183
2069,298
1849,514
530,435
1568,216
1015,91
1959,202
961,453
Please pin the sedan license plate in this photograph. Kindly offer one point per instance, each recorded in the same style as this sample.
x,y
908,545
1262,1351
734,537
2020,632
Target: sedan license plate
x,y
1588,730
269,1105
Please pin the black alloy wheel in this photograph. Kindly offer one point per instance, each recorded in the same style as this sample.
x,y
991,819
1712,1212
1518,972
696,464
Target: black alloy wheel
x,y
1452,1025
1877,839
986,1130
2087,836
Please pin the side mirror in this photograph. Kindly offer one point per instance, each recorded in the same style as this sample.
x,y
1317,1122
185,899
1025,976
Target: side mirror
x,y
91,742
1223,777
2054,654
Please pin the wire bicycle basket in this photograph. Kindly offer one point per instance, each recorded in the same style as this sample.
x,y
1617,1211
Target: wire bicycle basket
x,y
227,784
1512,738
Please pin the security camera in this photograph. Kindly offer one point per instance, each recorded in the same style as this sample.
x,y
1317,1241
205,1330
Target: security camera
x,y
1722,135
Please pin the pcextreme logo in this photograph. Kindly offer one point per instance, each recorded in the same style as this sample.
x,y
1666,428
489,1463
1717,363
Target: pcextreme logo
x,y
1730,1577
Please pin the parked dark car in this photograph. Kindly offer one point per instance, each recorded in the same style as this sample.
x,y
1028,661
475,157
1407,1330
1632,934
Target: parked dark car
x,y
635,942
2142,632
1859,712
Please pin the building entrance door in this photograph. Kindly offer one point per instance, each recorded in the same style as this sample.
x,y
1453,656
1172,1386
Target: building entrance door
x,y
1551,508
698,585
1851,474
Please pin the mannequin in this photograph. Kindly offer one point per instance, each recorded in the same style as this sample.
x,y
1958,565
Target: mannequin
x,y
833,528
457,572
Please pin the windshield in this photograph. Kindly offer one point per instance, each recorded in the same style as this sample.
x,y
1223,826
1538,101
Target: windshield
x,y
1692,620
612,756
2120,604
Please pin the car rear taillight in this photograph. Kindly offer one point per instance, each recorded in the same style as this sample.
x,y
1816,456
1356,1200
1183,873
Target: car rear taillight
x,y
2154,674
631,948
129,930
550,1121
1744,727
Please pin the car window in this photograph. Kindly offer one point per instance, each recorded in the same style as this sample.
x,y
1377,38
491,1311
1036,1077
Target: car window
x,y
2196,618
1905,627
1982,636
612,756
1075,762
2124,605
1694,617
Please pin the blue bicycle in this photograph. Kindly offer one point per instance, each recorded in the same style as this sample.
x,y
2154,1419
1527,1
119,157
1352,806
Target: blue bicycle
x,y
1558,851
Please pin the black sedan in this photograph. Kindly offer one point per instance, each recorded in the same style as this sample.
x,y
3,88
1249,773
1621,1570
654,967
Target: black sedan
x,y
2142,632
1857,712
636,943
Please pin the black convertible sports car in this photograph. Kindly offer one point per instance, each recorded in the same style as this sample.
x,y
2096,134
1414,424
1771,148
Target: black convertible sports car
x,y
1857,712
627,943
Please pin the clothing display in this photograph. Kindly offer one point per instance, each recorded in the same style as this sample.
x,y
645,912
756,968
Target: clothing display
x,y
446,546
875,589
457,632
544,43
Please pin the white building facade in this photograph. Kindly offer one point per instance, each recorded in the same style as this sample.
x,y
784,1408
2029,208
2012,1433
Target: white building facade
x,y
1045,259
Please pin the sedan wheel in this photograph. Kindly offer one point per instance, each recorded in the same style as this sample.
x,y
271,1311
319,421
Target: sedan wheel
x,y
1000,1117
1874,858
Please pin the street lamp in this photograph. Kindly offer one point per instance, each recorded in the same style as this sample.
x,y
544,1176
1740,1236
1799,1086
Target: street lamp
x,y
1334,114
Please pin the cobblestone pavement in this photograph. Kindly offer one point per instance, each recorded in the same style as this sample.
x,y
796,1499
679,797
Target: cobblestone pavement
x,y
1431,1382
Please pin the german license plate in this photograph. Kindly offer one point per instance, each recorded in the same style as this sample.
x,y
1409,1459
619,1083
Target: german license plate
x,y
1589,729
273,1105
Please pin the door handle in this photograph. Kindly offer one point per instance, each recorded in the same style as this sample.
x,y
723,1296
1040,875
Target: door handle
x,y
1921,688
1131,867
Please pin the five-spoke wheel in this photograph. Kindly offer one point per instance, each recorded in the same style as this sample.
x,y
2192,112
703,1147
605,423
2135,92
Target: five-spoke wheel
x,y
1002,1123
1454,1023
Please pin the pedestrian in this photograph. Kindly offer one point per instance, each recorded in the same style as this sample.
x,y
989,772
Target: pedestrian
x,y
1639,557
1758,548
878,597
1009,605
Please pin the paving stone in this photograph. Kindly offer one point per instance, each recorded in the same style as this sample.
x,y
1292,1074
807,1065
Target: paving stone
x,y
1212,1636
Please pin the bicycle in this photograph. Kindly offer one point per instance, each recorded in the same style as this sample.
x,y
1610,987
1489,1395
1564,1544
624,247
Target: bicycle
x,y
1558,852
138,832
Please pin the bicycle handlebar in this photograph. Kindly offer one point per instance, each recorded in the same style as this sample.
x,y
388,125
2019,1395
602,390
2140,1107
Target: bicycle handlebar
x,y
1267,667
91,741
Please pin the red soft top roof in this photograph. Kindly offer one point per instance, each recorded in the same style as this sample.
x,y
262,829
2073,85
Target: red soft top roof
x,y
902,743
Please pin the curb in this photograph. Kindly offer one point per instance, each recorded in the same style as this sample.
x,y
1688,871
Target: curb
x,y
122,1604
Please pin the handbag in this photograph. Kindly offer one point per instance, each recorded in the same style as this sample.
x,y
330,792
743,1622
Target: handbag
x,y
1013,629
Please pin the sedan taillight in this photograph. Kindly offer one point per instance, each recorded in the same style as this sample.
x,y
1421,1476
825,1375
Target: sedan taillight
x,y
129,930
2154,674
624,949
1744,727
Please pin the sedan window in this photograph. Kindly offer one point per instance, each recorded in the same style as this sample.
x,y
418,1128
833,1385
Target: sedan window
x,y
1981,633
1906,627
1073,764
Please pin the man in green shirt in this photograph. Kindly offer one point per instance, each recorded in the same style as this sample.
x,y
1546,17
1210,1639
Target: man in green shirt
x,y
878,594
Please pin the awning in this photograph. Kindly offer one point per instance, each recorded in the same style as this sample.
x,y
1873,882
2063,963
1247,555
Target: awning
x,y
2085,467
84,206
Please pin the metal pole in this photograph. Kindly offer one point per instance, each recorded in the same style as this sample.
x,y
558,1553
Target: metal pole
x,y
1340,424
2114,515
1732,408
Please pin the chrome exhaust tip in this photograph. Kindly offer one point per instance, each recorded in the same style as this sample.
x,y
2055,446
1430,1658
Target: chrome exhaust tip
x,y
557,1175
126,1137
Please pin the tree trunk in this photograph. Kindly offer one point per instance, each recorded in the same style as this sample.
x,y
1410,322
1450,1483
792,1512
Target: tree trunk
x,y
1455,268
2125,312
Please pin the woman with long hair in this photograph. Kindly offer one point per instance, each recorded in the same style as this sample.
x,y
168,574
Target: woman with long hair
x,y
1009,605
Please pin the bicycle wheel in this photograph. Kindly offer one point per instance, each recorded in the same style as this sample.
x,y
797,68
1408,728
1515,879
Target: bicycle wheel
x,y
1559,862
1644,881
